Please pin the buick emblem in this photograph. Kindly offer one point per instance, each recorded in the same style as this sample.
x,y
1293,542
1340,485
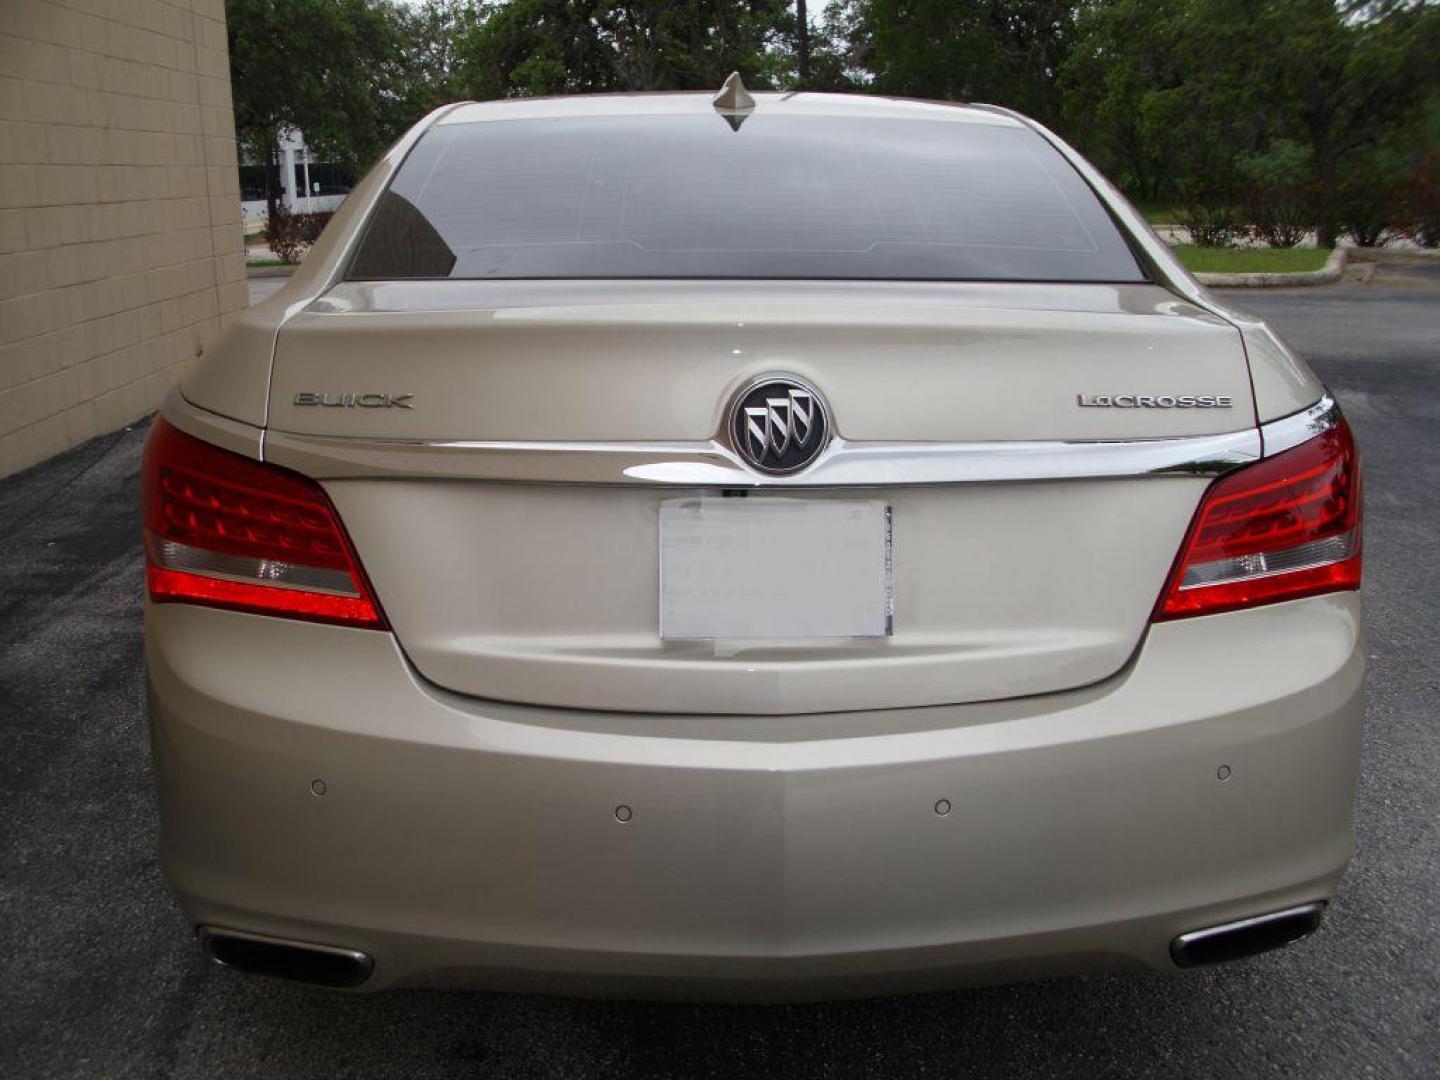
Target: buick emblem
x,y
779,424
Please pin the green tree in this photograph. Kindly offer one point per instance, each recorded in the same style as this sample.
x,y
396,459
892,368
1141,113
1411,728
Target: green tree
x,y
574,46
1158,93
429,64
1117,86
1341,80
1171,95
802,43
1006,52
831,65
326,67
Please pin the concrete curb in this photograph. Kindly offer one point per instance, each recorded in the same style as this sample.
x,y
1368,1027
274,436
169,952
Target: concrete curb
x,y
1393,255
1327,275
269,271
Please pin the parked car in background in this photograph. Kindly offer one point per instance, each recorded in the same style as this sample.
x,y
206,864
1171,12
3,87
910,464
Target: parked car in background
x,y
771,546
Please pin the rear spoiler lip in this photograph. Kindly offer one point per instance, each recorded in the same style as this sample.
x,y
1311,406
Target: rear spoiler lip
x,y
413,295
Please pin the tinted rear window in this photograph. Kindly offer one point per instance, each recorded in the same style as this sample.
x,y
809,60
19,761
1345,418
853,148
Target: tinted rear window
x,y
782,197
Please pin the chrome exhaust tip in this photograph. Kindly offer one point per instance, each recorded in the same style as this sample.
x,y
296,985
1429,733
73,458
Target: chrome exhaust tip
x,y
300,961
1246,937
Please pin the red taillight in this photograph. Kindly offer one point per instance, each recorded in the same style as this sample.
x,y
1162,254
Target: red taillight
x,y
1283,528
229,532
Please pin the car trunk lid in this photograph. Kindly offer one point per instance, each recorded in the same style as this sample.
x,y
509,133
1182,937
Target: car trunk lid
x,y
540,584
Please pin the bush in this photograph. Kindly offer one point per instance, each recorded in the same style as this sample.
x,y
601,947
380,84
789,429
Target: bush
x,y
1420,202
1210,214
1370,198
1280,198
289,235
1366,210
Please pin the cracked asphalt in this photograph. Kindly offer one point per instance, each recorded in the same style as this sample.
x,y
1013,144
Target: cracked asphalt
x,y
99,976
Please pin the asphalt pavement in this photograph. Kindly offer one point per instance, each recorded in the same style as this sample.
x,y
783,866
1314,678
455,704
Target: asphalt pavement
x,y
99,976
262,288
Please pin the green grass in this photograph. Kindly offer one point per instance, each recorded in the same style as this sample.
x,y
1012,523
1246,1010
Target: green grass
x,y
1250,260
1158,215
267,262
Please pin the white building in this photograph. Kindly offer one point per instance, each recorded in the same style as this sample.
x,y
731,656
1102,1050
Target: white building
x,y
306,184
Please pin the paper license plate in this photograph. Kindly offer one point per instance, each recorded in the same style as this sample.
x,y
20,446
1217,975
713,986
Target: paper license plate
x,y
771,567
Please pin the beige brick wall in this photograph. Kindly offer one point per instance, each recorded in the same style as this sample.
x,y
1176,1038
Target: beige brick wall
x,y
120,245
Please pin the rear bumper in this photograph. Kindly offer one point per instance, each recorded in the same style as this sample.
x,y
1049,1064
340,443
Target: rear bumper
x,y
468,841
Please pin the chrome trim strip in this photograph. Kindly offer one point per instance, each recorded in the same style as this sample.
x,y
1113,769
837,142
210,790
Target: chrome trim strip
x,y
713,464
1290,431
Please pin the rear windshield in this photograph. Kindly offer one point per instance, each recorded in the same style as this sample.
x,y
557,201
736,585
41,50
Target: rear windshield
x,y
781,197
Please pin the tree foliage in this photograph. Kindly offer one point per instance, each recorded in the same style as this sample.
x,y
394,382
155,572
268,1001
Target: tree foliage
x,y
327,67
1181,91
578,46
429,63
1179,100
1001,51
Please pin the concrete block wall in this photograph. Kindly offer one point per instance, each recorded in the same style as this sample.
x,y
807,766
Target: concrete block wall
x,y
121,252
